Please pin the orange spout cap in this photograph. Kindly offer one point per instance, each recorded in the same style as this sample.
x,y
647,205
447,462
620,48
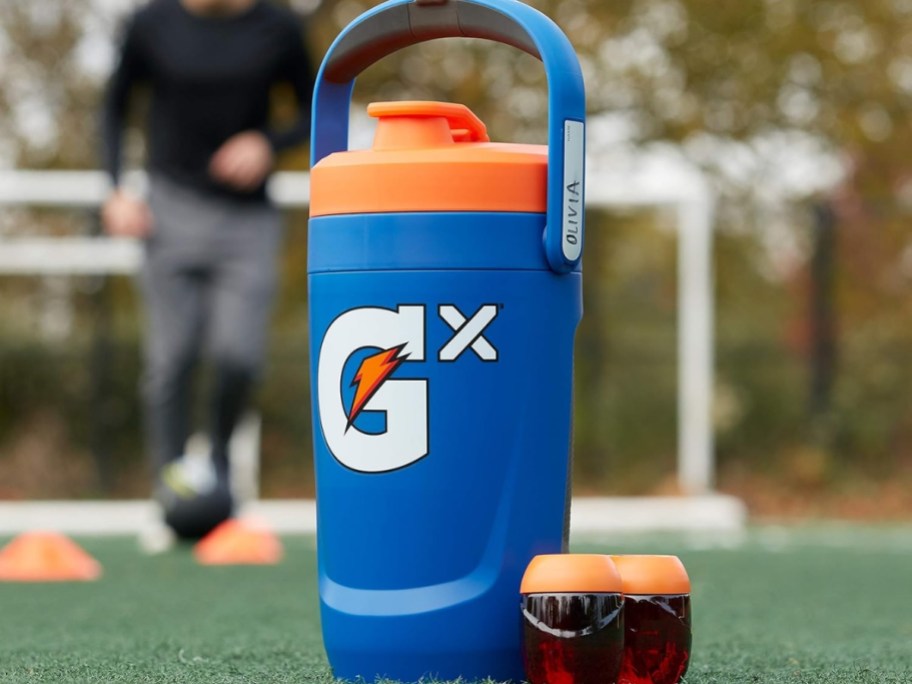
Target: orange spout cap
x,y
430,157
417,124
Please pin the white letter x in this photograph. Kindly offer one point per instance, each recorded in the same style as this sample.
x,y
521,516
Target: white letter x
x,y
468,332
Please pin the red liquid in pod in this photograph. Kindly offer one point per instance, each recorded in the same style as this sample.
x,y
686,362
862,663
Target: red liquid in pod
x,y
573,638
656,639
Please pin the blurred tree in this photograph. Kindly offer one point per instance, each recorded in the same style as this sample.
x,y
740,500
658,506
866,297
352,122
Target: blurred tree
x,y
47,100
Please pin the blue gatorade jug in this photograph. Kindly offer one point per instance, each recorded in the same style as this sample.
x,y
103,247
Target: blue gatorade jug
x,y
445,292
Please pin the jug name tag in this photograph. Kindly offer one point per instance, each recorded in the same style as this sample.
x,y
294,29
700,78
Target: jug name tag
x,y
371,421
574,155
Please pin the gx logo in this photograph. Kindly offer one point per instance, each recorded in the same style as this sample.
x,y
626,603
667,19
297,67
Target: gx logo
x,y
374,421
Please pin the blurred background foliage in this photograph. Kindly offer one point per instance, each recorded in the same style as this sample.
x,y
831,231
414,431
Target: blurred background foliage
x,y
796,109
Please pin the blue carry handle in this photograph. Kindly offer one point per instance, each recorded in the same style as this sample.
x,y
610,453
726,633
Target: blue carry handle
x,y
399,23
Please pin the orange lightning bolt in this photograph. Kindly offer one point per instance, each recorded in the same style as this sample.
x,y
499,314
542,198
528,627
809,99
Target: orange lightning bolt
x,y
372,373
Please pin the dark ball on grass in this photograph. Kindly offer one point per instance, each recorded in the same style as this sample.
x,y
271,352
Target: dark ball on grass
x,y
192,512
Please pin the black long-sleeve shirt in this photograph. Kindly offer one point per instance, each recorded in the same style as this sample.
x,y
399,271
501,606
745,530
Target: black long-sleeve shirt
x,y
210,78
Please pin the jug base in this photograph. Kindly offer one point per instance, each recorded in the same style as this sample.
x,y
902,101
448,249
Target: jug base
x,y
498,665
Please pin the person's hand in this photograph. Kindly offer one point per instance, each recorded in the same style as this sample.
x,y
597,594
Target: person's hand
x,y
243,161
124,215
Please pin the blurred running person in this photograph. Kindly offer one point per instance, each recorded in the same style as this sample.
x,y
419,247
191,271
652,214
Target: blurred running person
x,y
211,236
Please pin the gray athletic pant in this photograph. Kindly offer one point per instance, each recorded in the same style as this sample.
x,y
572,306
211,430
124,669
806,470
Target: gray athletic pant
x,y
208,282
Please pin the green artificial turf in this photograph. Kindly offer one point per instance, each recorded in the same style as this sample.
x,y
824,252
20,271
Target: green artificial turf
x,y
813,605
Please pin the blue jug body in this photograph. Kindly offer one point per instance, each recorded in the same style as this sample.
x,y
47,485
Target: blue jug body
x,y
442,379
445,292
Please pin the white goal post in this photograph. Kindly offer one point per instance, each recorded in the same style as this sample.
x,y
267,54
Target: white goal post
x,y
690,200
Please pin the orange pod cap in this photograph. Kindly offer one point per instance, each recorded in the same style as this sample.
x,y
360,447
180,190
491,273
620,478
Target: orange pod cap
x,y
653,575
571,573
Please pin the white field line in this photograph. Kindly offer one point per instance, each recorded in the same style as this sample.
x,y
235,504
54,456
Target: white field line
x,y
697,523
716,514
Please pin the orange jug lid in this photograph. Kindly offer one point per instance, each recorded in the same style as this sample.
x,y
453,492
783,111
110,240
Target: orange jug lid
x,y
430,156
652,575
571,573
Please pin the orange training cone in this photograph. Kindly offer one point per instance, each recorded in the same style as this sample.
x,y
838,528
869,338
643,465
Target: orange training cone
x,y
46,557
235,542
